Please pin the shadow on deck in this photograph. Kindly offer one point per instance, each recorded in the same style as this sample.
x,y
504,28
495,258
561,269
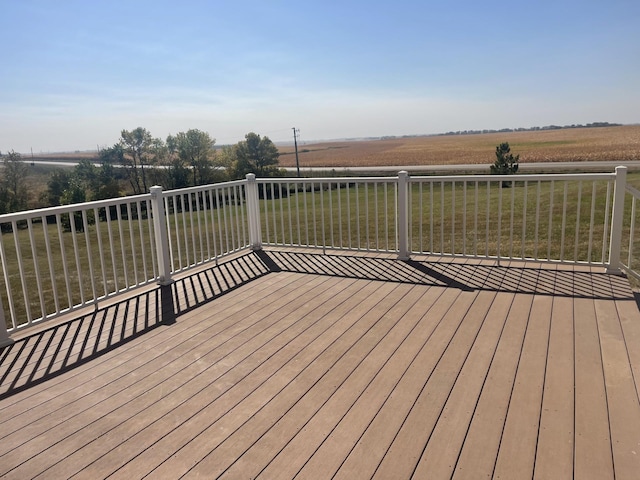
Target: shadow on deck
x,y
38,357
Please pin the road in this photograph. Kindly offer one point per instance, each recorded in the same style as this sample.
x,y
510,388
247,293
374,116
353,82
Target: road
x,y
479,168
607,166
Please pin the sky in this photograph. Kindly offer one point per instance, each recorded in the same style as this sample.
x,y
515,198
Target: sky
x,y
75,73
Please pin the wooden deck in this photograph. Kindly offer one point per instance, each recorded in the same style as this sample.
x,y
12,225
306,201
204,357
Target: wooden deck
x,y
295,364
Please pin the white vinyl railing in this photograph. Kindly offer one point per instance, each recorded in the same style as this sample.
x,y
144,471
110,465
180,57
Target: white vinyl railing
x,y
556,218
61,258
630,244
58,259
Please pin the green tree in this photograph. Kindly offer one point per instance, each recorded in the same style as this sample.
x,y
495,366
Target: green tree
x,y
175,172
58,182
137,146
13,184
195,148
506,163
256,155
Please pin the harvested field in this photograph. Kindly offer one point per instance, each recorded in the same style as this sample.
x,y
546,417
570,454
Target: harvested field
x,y
575,144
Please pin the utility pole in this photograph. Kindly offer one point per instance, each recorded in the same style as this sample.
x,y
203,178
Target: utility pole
x,y
296,132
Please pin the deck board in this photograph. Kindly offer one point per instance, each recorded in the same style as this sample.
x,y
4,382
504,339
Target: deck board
x,y
292,363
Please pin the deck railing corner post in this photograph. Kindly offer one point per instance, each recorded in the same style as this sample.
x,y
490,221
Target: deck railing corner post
x,y
161,235
253,212
403,215
617,213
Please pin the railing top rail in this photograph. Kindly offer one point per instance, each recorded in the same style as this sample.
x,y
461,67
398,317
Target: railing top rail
x,y
448,178
633,191
516,178
327,179
73,207
202,188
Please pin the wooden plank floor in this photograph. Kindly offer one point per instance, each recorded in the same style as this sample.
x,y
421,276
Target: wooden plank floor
x,y
293,364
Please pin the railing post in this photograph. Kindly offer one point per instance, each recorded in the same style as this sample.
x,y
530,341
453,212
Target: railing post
x,y
253,212
403,215
161,236
617,212
4,335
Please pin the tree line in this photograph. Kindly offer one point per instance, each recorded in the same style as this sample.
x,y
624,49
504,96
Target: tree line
x,y
138,161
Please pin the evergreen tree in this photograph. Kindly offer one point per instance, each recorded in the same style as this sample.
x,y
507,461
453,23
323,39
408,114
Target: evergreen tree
x,y
506,163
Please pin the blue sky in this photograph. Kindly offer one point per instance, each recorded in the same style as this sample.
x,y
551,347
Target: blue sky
x,y
77,72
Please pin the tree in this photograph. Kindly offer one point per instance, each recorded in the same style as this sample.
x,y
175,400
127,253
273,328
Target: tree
x,y
13,185
256,155
506,163
59,181
175,172
195,148
137,145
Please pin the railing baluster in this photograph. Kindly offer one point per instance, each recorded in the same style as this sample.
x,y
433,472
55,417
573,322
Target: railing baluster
x,y
199,197
36,267
564,220
524,218
52,269
375,196
125,268
632,231
76,250
220,214
111,251
550,228
331,230
358,243
290,215
386,215
464,217
178,207
85,224
193,258
442,250
348,207
488,222
63,256
23,280
212,217
591,221
206,208
366,221
537,238
511,218
105,284
499,236
324,233
475,221
282,222
607,209
306,212
578,212
453,218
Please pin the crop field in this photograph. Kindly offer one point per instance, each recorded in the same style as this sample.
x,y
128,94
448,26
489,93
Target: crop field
x,y
571,144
